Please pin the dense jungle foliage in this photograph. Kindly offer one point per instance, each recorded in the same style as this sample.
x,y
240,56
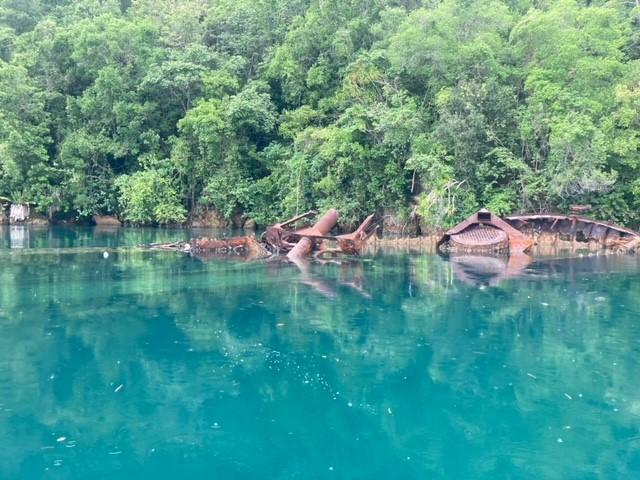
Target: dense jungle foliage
x,y
157,109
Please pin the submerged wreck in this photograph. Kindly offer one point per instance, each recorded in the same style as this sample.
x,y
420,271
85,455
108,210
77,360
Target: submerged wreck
x,y
283,238
482,234
573,228
244,248
486,233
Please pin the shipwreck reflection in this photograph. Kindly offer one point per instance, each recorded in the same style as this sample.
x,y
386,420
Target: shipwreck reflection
x,y
308,277
481,271
484,271
326,277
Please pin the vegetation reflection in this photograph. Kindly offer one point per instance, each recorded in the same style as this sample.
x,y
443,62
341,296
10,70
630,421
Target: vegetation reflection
x,y
140,352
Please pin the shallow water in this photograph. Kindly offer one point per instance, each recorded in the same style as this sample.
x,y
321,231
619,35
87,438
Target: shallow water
x,y
156,365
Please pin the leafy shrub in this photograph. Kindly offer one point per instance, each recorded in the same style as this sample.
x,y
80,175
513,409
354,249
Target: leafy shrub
x,y
147,197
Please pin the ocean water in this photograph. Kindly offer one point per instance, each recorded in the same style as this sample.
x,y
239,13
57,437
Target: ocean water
x,y
155,365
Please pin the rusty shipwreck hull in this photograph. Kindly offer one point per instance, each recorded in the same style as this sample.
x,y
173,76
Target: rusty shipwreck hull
x,y
573,228
240,248
484,233
282,238
245,247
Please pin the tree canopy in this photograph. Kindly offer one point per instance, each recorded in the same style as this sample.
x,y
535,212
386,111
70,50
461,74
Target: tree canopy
x,y
156,110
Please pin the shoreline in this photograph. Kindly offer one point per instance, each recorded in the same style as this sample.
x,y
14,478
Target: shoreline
x,y
544,244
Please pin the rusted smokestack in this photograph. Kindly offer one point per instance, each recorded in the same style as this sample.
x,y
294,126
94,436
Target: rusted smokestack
x,y
327,222
322,227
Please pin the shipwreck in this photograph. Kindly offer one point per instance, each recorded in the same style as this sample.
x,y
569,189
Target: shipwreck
x,y
576,229
488,234
288,237
484,233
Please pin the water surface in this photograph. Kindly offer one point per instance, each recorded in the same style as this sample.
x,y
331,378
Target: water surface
x,y
157,365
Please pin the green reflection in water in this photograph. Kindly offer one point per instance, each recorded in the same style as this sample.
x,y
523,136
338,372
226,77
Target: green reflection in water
x,y
156,365
17,237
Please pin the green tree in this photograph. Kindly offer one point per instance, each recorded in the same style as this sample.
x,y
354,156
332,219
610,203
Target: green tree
x,y
26,173
148,197
268,107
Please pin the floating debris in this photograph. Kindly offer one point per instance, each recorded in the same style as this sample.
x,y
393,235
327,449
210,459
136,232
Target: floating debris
x,y
118,388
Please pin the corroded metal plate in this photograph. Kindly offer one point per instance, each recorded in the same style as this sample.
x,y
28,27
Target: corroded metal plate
x,y
480,236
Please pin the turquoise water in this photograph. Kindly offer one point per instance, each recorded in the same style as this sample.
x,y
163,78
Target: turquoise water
x,y
156,365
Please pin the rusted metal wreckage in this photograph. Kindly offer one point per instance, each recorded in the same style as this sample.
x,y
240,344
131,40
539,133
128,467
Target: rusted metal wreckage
x,y
486,233
483,233
574,228
283,238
